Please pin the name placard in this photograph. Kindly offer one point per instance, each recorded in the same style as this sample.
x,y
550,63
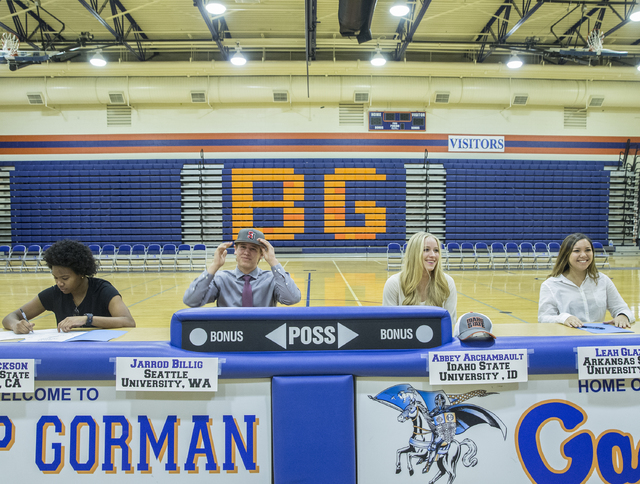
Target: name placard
x,y
598,362
478,367
17,376
311,335
167,374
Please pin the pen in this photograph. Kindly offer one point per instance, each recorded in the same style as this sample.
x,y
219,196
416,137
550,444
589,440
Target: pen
x,y
24,316
592,327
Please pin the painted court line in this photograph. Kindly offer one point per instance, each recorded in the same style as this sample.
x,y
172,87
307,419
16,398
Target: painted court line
x,y
490,306
151,297
345,281
497,289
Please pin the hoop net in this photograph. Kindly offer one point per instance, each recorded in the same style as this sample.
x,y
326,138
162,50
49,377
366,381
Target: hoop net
x,y
594,41
10,44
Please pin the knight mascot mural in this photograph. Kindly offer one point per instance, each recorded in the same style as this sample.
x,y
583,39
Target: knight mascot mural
x,y
437,419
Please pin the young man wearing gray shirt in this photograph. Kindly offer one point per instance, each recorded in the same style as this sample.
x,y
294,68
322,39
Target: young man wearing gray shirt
x,y
246,285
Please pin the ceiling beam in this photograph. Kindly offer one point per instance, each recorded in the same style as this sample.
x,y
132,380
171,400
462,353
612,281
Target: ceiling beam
x,y
487,30
118,37
311,20
575,28
524,18
215,35
402,48
118,23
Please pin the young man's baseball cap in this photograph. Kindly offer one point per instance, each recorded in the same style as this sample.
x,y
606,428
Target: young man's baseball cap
x,y
249,236
474,326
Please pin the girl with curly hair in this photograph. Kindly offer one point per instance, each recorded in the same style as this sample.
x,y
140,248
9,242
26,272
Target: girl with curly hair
x,y
78,299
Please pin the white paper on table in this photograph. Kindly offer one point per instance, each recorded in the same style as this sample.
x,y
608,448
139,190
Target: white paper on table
x,y
7,335
48,336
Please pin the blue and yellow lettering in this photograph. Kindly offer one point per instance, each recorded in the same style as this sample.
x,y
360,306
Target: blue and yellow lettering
x,y
9,433
233,439
91,464
617,458
578,449
111,442
56,465
168,440
201,445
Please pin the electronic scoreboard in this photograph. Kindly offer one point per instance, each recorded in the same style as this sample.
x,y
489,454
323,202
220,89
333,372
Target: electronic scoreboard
x,y
396,121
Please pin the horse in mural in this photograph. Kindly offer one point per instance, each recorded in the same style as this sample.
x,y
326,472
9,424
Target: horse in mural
x,y
436,420
428,444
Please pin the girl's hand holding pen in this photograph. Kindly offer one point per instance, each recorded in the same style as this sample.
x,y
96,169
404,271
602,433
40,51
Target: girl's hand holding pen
x,y
24,326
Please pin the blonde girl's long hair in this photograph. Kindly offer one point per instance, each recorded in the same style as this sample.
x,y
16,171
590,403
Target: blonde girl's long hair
x,y
413,270
562,261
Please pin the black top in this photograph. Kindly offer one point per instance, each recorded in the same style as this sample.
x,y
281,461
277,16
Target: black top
x,y
96,301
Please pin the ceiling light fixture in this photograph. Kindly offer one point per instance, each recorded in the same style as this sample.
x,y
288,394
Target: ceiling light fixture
x,y
238,59
378,59
215,8
399,9
514,62
97,60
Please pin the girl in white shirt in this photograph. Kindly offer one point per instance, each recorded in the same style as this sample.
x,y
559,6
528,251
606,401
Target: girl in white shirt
x,y
422,280
576,293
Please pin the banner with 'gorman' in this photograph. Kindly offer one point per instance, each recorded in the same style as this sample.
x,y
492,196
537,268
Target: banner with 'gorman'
x,y
87,432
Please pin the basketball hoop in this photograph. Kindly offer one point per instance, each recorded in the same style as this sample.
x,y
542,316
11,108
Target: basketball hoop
x,y
594,41
10,44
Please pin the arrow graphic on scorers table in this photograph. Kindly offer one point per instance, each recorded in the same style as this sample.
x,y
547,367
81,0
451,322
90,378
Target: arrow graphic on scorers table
x,y
279,335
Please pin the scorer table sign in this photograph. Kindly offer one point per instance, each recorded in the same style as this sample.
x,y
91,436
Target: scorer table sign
x,y
478,367
167,374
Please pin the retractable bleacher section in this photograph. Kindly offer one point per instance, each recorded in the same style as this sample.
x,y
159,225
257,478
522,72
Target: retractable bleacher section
x,y
118,202
317,206
305,205
525,201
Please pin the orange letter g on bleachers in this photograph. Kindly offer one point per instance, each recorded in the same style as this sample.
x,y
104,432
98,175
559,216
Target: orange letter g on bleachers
x,y
243,203
335,200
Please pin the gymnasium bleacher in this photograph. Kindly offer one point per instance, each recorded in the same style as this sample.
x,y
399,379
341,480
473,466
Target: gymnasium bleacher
x,y
116,202
306,206
489,201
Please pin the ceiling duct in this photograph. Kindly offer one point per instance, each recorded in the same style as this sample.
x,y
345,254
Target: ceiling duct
x,y
520,99
442,97
360,97
254,90
35,98
117,98
198,97
354,17
280,96
596,101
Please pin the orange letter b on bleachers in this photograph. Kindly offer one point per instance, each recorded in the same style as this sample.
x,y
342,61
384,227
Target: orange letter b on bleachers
x,y
243,203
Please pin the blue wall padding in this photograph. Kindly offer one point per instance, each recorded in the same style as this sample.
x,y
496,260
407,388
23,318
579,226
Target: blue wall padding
x,y
95,361
314,439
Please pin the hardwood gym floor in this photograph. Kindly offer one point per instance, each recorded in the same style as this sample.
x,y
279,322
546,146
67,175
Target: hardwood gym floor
x,y
506,296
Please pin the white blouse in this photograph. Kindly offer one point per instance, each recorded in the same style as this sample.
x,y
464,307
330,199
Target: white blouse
x,y
392,295
561,298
